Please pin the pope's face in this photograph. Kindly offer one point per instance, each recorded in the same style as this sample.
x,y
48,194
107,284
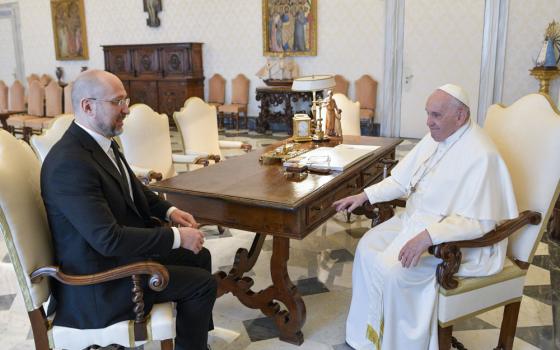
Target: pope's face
x,y
444,116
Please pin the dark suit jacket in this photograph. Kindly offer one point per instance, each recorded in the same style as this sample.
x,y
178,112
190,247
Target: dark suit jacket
x,y
96,227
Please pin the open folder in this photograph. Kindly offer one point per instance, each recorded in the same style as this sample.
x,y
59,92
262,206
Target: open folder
x,y
336,158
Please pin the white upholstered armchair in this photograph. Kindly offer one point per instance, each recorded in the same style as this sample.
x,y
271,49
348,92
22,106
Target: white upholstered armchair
x,y
43,143
527,134
25,230
146,144
198,126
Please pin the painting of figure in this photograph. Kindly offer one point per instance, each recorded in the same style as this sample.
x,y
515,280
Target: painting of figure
x,y
69,29
289,27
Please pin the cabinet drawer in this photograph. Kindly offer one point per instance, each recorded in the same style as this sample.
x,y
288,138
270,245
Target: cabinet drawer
x,y
321,207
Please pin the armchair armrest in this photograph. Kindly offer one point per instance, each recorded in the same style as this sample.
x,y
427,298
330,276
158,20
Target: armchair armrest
x,y
159,279
191,157
379,212
235,144
450,252
145,175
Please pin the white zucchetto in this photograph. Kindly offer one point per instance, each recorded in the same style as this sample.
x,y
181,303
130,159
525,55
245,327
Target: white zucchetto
x,y
456,91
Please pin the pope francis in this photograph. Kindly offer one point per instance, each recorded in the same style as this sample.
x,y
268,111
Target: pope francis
x,y
457,187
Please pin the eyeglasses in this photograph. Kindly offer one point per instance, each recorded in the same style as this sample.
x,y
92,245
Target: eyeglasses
x,y
117,102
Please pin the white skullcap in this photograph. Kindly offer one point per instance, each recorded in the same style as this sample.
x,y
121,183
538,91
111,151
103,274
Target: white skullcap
x,y
456,91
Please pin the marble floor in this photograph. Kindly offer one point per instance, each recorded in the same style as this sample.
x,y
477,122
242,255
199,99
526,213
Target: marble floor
x,y
321,267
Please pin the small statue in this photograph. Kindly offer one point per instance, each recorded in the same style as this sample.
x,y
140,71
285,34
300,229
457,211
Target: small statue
x,y
333,126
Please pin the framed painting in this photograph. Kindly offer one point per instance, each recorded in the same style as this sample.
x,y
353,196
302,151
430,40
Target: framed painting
x,y
289,27
69,29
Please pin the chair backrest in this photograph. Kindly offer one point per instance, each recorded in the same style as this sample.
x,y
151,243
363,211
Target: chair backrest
x,y
53,99
198,124
45,80
43,143
527,135
146,141
350,120
217,89
23,218
17,96
3,97
366,92
32,78
68,99
36,99
240,90
341,86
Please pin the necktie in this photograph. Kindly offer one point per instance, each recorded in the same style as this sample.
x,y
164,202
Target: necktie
x,y
119,161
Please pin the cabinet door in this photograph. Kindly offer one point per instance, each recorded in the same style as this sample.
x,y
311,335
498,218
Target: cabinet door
x,y
144,92
172,96
146,62
175,62
119,62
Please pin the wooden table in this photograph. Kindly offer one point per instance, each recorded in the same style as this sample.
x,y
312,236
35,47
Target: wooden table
x,y
243,194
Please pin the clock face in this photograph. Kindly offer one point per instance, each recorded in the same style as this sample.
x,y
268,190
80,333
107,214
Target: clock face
x,y
303,129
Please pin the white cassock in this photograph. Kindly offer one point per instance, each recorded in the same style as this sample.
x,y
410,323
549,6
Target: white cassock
x,y
457,189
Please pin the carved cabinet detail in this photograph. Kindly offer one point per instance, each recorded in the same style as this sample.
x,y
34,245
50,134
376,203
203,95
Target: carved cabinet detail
x,y
162,76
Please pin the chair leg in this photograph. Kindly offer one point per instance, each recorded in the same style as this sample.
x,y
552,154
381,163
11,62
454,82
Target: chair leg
x,y
444,337
166,344
39,327
509,324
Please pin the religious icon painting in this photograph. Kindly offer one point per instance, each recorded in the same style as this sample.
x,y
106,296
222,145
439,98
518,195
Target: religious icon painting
x,y
69,29
289,27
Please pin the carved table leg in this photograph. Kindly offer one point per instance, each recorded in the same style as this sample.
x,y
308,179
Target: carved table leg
x,y
290,321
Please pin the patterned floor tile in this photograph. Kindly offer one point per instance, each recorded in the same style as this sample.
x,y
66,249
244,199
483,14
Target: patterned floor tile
x,y
261,329
539,336
6,301
472,324
311,286
541,293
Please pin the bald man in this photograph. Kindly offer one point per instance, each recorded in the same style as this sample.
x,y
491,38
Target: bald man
x,y
99,215
457,187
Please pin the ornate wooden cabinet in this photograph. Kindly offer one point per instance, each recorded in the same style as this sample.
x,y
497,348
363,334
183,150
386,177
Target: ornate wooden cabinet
x,y
162,76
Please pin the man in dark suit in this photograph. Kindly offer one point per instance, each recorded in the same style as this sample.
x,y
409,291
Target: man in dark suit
x,y
99,215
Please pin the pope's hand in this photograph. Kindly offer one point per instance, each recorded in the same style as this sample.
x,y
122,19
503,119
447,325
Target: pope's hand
x,y
350,203
191,239
180,217
413,249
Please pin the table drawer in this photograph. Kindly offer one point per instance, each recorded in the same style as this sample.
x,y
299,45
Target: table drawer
x,y
321,207
371,173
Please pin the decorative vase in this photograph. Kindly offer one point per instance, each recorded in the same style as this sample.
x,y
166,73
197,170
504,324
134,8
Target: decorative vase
x,y
59,72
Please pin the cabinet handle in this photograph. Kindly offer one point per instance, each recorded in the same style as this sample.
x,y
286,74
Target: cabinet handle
x,y
317,208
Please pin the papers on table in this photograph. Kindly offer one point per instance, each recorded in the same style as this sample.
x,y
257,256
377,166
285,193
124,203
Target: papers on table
x,y
336,158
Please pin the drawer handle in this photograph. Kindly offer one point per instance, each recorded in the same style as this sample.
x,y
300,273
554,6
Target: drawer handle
x,y
369,174
317,208
352,186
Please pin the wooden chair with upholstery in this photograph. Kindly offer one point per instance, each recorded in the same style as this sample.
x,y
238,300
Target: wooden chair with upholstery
x,y
341,86
32,77
68,99
53,107
198,126
43,143
146,144
35,109
239,101
527,135
366,94
216,90
350,119
45,80
26,233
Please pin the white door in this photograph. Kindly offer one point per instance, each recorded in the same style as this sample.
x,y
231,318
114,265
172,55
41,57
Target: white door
x,y
10,69
442,44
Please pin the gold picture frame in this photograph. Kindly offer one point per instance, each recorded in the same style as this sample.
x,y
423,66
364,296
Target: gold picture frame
x,y
69,29
289,27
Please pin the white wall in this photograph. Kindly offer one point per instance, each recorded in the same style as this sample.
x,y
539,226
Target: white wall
x,y
350,36
526,26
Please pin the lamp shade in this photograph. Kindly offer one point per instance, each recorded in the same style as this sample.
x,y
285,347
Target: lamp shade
x,y
313,83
